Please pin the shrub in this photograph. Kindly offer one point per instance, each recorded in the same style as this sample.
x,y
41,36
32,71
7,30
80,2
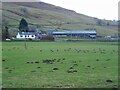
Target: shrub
x,y
48,38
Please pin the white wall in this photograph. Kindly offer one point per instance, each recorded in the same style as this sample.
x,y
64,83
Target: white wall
x,y
27,37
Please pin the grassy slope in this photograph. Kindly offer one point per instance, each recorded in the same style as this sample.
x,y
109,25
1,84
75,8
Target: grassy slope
x,y
0,64
49,16
94,76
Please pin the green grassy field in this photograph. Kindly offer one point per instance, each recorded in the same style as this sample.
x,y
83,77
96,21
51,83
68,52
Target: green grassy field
x,y
60,65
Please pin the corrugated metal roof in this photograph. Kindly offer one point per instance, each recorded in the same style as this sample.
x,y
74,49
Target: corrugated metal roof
x,y
59,32
74,31
83,31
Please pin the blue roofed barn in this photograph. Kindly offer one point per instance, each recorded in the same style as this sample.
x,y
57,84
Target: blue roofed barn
x,y
74,33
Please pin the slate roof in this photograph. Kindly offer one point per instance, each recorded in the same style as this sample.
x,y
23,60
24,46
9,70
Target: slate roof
x,y
27,33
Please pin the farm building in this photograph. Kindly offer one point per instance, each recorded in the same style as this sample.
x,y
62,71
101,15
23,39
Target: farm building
x,y
73,33
27,35
36,34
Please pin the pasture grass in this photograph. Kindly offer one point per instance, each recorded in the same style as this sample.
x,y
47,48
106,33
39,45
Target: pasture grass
x,y
60,65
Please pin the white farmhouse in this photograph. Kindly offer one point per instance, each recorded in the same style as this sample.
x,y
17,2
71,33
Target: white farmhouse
x,y
33,34
25,35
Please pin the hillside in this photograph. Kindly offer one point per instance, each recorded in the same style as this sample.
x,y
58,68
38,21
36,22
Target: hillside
x,y
47,16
